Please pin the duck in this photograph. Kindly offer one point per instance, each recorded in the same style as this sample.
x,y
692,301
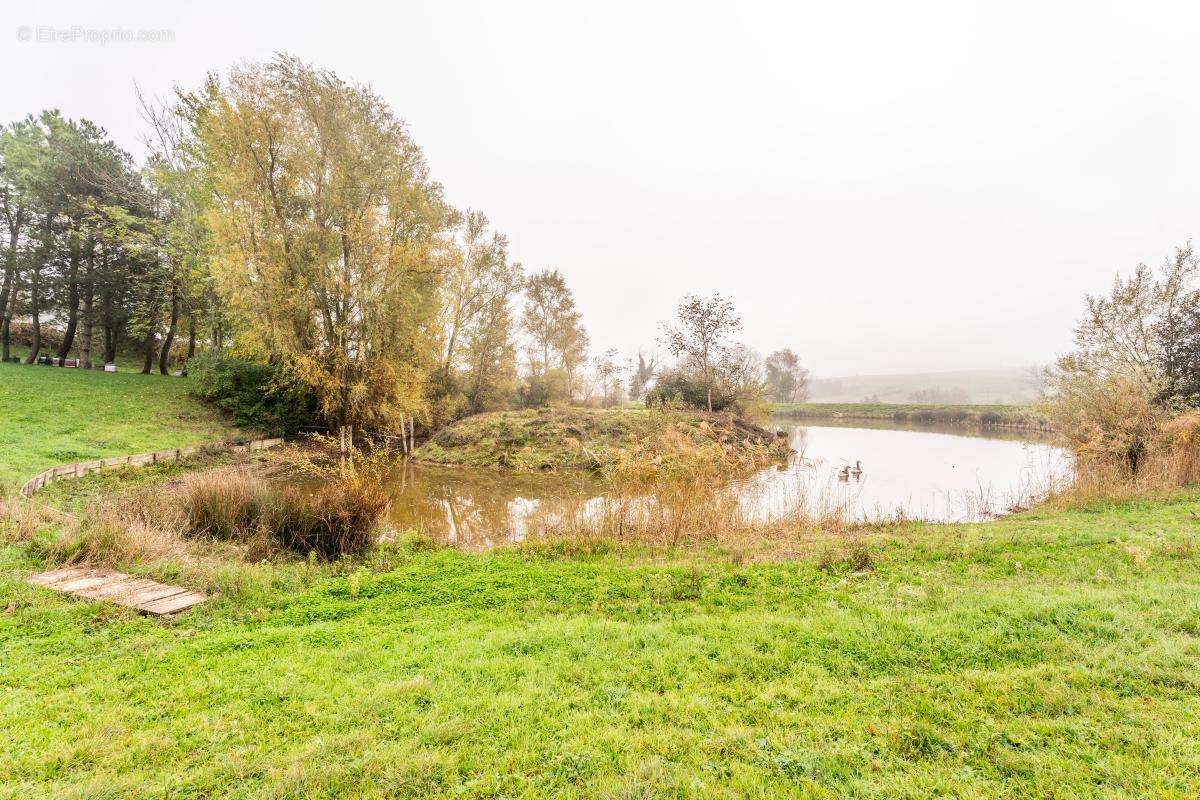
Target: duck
x,y
857,471
845,473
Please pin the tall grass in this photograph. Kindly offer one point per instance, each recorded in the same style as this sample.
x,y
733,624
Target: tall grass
x,y
335,511
334,519
224,505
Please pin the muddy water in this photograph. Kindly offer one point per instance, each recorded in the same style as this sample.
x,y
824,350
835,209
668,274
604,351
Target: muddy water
x,y
926,472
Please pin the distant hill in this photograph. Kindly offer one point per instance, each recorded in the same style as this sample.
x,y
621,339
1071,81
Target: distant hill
x,y
1001,386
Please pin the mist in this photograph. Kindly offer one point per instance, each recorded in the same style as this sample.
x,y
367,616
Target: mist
x,y
882,188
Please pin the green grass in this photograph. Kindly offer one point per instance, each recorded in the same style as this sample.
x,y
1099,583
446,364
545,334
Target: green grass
x,y
51,415
1053,654
978,415
1049,655
583,438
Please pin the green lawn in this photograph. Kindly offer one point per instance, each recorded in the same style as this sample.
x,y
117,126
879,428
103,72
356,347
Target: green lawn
x,y
1053,654
51,415
1050,655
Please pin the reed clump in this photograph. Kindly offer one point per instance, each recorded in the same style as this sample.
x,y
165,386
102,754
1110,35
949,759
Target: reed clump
x,y
334,510
336,518
224,505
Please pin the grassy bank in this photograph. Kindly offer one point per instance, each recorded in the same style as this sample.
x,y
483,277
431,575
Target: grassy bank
x,y
50,415
1050,654
977,415
580,438
1047,655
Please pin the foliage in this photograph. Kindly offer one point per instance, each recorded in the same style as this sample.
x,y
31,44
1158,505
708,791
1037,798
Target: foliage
x,y
557,339
476,325
258,395
326,227
224,506
699,339
786,380
1145,331
1136,365
333,511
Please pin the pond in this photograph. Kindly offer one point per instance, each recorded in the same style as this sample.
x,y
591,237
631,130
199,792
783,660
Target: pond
x,y
940,474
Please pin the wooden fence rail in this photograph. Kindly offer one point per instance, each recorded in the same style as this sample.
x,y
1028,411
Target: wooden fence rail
x,y
81,468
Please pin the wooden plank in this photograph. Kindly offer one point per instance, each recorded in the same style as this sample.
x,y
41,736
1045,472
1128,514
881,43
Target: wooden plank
x,y
153,593
145,595
53,576
171,605
119,589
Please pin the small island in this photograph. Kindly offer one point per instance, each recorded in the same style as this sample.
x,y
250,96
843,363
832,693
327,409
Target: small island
x,y
552,439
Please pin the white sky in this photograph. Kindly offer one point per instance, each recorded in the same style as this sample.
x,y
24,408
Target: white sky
x,y
882,186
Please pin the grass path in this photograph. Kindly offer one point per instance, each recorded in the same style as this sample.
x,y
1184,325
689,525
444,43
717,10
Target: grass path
x,y
50,416
1050,655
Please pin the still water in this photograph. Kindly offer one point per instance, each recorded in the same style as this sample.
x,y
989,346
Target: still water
x,y
911,471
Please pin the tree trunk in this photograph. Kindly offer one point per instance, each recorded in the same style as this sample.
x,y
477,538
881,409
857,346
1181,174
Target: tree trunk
x,y
191,349
149,346
8,291
73,302
6,324
112,337
89,310
35,311
164,357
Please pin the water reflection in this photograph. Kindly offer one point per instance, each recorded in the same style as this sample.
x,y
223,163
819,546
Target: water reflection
x,y
915,471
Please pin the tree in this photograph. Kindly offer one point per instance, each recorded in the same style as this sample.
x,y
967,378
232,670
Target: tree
x,y
477,351
557,339
642,377
786,380
608,371
1145,332
326,230
18,146
701,334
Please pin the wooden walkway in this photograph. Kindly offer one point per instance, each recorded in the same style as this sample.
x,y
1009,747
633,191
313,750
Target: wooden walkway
x,y
143,594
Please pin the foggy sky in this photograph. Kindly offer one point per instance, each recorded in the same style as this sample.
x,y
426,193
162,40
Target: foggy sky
x,y
882,186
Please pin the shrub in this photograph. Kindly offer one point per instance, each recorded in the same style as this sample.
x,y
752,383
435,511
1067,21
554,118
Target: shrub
x,y
259,395
334,519
334,512
224,506
1177,449
989,418
1108,423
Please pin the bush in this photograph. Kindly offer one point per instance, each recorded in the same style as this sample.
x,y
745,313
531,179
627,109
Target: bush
x,y
336,518
225,506
1177,450
1108,423
259,395
334,515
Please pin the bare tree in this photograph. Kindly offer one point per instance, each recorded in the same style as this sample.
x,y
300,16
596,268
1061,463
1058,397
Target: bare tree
x,y
701,335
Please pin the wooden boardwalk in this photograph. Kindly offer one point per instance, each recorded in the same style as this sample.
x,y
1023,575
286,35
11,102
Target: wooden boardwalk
x,y
143,594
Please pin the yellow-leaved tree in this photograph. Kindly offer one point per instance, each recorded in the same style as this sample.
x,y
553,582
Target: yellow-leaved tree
x,y
327,235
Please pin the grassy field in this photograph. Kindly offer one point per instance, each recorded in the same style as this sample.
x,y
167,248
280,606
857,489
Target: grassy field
x,y
50,415
980,415
1051,654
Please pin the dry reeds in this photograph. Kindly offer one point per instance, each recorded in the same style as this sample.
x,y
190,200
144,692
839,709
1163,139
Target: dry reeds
x,y
334,512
